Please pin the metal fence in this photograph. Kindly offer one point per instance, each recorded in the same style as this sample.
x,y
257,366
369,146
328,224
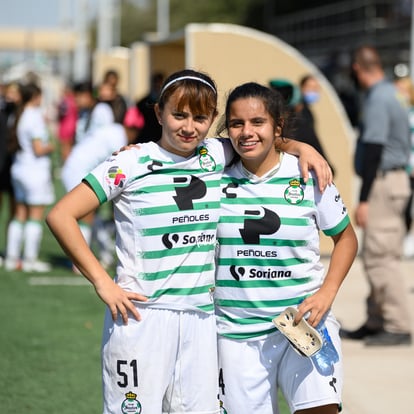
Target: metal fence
x,y
335,29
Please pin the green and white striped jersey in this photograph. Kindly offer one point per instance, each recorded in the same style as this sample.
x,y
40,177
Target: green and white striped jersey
x,y
166,210
268,238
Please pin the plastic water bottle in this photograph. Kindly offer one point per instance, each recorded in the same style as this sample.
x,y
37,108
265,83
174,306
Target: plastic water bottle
x,y
326,357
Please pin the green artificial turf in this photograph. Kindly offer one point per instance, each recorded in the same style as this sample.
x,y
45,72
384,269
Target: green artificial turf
x,y
49,347
50,336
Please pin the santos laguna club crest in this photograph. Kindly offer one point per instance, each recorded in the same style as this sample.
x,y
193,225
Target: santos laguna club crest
x,y
131,405
294,193
206,161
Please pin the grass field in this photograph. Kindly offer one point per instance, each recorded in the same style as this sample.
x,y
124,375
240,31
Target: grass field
x,y
50,338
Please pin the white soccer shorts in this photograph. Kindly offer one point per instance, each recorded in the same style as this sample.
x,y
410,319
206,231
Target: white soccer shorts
x,y
167,363
251,372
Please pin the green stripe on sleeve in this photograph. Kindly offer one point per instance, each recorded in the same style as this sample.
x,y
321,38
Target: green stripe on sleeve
x,y
338,228
96,187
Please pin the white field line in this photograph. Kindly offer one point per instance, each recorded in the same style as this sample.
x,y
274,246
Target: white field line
x,y
58,281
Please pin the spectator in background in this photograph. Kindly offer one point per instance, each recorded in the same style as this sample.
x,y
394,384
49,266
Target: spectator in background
x,y
67,117
11,109
311,92
152,128
381,160
3,144
32,183
406,89
95,113
3,139
91,113
118,102
300,100
106,94
84,157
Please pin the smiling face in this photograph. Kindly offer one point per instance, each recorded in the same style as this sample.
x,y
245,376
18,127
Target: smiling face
x,y
253,134
182,129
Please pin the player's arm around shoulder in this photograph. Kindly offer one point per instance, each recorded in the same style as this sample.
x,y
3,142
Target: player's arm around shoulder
x,y
309,159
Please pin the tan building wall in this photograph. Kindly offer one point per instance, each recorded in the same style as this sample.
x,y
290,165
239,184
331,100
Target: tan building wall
x,y
139,71
168,58
118,59
147,58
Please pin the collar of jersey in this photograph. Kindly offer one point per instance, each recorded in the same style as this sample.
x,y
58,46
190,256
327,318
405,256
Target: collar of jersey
x,y
255,179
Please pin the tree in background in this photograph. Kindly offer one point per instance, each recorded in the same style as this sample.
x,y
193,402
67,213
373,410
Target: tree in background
x,y
136,21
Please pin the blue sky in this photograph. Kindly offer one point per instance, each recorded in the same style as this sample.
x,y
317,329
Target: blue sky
x,y
37,13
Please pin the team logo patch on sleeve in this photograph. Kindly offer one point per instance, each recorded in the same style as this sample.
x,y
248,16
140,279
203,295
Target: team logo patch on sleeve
x,y
116,176
131,405
294,193
206,161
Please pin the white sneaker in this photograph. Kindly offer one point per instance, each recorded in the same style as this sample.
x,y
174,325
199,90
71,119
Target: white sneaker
x,y
10,265
35,266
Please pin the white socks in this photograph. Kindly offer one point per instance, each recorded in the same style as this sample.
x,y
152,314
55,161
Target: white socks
x,y
33,232
14,240
29,234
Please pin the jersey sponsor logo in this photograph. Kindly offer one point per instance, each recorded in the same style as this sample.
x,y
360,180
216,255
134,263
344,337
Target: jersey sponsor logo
x,y
116,177
131,405
268,223
172,240
185,195
195,190
154,164
339,199
254,273
256,253
294,193
190,218
227,190
237,272
269,273
169,240
206,161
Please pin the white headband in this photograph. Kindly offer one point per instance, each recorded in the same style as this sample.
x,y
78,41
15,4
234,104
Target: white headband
x,y
187,77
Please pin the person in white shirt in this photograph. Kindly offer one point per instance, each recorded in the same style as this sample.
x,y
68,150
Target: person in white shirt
x,y
89,153
32,183
92,114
